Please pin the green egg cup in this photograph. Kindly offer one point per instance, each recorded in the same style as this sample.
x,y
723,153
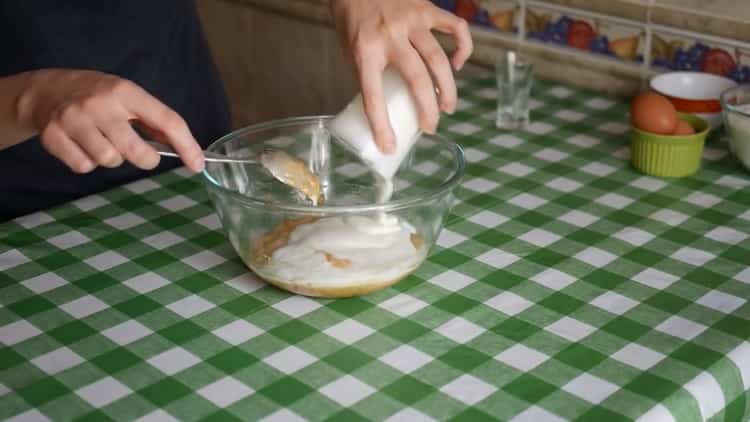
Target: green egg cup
x,y
669,155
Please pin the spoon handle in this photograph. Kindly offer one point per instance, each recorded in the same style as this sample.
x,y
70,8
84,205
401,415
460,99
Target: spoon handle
x,y
167,151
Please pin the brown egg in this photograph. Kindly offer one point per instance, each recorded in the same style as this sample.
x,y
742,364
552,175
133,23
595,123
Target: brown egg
x,y
653,113
683,128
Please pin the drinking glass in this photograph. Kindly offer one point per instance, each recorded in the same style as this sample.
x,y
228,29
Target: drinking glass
x,y
514,79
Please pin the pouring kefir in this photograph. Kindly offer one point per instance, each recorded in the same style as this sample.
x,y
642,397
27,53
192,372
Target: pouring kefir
x,y
346,255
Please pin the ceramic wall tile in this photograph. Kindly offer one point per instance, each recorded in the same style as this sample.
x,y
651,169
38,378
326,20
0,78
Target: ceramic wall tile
x,y
693,52
646,34
590,33
590,71
497,15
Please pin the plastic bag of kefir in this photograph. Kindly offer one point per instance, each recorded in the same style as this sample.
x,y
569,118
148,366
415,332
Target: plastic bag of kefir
x,y
352,128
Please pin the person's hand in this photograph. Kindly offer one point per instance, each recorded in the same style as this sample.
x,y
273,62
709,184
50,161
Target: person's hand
x,y
84,118
398,32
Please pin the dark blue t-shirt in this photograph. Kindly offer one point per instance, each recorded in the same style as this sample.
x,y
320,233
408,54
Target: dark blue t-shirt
x,y
158,44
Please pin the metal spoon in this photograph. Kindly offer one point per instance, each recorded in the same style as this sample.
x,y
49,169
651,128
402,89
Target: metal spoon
x,y
288,170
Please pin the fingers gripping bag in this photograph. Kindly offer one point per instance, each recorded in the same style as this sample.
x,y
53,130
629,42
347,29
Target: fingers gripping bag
x,y
352,129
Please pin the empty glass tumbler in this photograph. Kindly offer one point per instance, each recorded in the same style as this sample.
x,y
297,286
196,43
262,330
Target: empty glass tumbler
x,y
514,79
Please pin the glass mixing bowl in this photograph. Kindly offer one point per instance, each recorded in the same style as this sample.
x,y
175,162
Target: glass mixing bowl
x,y
260,215
735,108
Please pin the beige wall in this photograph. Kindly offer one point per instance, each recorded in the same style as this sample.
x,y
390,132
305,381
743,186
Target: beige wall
x,y
275,66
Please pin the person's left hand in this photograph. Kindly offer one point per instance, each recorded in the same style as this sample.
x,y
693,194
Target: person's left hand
x,y
378,33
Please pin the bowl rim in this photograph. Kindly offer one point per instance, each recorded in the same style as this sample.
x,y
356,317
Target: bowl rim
x,y
448,185
725,106
701,75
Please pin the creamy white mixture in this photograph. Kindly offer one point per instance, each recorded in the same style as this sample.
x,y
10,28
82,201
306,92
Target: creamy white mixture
x,y
739,134
376,249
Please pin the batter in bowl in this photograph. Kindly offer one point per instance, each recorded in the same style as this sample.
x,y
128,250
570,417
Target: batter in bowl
x,y
338,256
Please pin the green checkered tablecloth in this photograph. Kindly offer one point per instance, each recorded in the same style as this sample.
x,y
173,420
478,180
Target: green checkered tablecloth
x,y
565,286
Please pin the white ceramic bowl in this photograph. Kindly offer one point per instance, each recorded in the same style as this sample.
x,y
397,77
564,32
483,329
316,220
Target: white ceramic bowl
x,y
694,92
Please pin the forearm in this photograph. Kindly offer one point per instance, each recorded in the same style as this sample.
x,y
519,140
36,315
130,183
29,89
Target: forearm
x,y
14,125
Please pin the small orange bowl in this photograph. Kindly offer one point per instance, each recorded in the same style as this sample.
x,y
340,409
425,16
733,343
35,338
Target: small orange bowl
x,y
694,92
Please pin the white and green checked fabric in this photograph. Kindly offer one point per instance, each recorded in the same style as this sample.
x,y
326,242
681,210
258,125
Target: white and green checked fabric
x,y
566,286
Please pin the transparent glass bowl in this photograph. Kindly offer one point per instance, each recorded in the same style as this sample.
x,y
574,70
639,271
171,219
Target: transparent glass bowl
x,y
251,204
735,109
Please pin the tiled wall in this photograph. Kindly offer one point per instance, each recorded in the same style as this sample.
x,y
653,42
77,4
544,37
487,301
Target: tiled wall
x,y
656,35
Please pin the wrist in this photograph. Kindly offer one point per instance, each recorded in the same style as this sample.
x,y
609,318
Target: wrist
x,y
338,7
25,100
17,106
333,7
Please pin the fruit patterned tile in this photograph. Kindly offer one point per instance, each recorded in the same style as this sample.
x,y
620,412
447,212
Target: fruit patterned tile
x,y
590,32
565,24
679,52
499,15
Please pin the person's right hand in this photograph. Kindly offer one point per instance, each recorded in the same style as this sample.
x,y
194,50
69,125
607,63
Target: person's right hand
x,y
398,33
84,118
